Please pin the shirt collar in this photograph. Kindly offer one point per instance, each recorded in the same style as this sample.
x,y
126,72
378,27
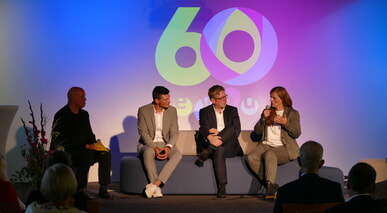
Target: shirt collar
x,y
213,106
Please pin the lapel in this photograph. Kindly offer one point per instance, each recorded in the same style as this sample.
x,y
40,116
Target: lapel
x,y
226,116
212,115
286,111
166,122
151,113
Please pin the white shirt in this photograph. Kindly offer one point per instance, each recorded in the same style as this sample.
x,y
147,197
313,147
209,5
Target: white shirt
x,y
219,119
159,126
274,133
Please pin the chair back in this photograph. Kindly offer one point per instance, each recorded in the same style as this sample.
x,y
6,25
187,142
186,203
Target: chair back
x,y
92,206
9,207
307,207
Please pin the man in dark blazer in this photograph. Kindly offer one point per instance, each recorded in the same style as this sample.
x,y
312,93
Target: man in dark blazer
x,y
158,127
361,182
310,187
220,127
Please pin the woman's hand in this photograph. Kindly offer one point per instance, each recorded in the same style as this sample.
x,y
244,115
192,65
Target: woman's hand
x,y
280,119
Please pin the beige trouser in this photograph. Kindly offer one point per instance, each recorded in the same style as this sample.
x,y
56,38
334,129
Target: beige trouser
x,y
150,165
264,160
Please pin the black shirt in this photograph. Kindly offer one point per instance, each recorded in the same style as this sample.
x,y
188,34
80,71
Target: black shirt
x,y
72,131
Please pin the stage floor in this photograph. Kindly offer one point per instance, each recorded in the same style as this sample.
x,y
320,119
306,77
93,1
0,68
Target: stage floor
x,y
123,203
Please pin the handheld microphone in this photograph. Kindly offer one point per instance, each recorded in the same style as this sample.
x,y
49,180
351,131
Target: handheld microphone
x,y
268,107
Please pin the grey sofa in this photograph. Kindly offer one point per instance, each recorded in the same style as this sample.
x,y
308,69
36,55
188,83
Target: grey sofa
x,y
190,179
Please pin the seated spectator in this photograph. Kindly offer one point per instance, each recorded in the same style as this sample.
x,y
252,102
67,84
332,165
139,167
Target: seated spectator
x,y
8,194
55,157
361,182
310,187
58,186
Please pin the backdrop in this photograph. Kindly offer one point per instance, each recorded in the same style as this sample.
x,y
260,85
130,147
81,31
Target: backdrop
x,y
330,55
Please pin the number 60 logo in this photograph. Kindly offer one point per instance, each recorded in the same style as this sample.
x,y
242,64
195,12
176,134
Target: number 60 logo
x,y
214,49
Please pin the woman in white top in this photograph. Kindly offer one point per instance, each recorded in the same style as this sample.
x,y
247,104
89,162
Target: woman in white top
x,y
276,132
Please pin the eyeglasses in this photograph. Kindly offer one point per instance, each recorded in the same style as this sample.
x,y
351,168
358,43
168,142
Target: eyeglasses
x,y
221,98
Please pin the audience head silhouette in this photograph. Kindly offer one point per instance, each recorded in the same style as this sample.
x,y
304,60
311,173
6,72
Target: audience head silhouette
x,y
58,183
58,157
311,154
361,178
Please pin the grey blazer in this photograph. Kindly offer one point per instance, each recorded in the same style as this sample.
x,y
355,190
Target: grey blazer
x,y
289,132
147,127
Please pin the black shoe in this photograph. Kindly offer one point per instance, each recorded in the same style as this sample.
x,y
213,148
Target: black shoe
x,y
222,191
103,193
203,156
81,193
199,163
271,191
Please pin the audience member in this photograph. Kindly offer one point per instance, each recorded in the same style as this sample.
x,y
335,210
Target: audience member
x,y
8,197
220,127
158,128
80,202
58,186
310,187
276,130
361,182
72,132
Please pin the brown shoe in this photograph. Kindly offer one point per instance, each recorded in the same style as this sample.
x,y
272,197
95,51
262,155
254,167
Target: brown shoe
x,y
271,191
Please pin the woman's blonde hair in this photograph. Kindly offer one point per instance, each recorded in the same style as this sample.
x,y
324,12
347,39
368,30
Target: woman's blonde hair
x,y
58,183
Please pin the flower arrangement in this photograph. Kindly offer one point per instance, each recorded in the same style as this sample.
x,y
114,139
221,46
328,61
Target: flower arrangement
x,y
35,152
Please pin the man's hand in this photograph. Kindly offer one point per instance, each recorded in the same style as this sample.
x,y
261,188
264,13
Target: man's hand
x,y
90,146
162,153
213,137
215,140
213,131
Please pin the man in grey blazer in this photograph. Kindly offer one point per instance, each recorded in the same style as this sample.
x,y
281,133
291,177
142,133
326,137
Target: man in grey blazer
x,y
158,127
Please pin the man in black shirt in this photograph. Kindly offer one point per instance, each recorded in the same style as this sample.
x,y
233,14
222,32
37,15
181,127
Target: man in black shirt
x,y
72,133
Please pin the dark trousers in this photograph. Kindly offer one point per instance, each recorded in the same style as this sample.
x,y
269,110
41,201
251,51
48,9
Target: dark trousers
x,y
83,159
230,148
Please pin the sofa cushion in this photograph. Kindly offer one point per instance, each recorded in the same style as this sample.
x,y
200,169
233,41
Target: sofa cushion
x,y
190,179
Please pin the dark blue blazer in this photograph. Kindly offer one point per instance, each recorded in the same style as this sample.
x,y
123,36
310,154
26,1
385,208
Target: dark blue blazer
x,y
361,203
207,120
309,188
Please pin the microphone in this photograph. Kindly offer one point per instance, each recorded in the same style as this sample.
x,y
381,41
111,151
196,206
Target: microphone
x,y
268,107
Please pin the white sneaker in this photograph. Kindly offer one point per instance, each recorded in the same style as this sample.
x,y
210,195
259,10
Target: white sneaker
x,y
150,190
157,193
